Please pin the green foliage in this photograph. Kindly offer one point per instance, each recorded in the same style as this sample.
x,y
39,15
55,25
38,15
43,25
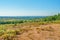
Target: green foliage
x,y
15,21
51,18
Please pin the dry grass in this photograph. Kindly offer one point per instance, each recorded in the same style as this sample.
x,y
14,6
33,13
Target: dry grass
x,y
30,31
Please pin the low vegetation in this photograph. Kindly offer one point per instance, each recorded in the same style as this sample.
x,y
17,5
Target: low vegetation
x,y
10,29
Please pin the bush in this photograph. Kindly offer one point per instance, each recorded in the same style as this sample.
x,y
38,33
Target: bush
x,y
2,32
8,37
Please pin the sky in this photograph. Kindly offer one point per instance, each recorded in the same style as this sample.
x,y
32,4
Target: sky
x,y
29,7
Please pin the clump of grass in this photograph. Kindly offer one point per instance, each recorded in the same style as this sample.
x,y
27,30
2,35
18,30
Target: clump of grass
x,y
2,32
38,30
43,23
18,32
47,29
9,34
8,37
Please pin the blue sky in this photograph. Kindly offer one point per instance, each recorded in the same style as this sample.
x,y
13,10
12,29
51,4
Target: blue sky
x,y
29,7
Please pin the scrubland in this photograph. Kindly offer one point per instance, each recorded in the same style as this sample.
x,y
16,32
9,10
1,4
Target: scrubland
x,y
37,29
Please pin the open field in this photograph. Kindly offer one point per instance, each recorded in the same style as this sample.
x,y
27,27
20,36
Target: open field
x,y
30,31
29,19
47,28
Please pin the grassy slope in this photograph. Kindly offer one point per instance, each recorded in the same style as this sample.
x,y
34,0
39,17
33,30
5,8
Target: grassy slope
x,y
37,29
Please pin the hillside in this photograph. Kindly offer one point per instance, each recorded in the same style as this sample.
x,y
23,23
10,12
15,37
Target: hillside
x,y
47,28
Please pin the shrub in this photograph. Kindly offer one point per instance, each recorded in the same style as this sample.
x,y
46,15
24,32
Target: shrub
x,y
13,32
1,32
8,37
